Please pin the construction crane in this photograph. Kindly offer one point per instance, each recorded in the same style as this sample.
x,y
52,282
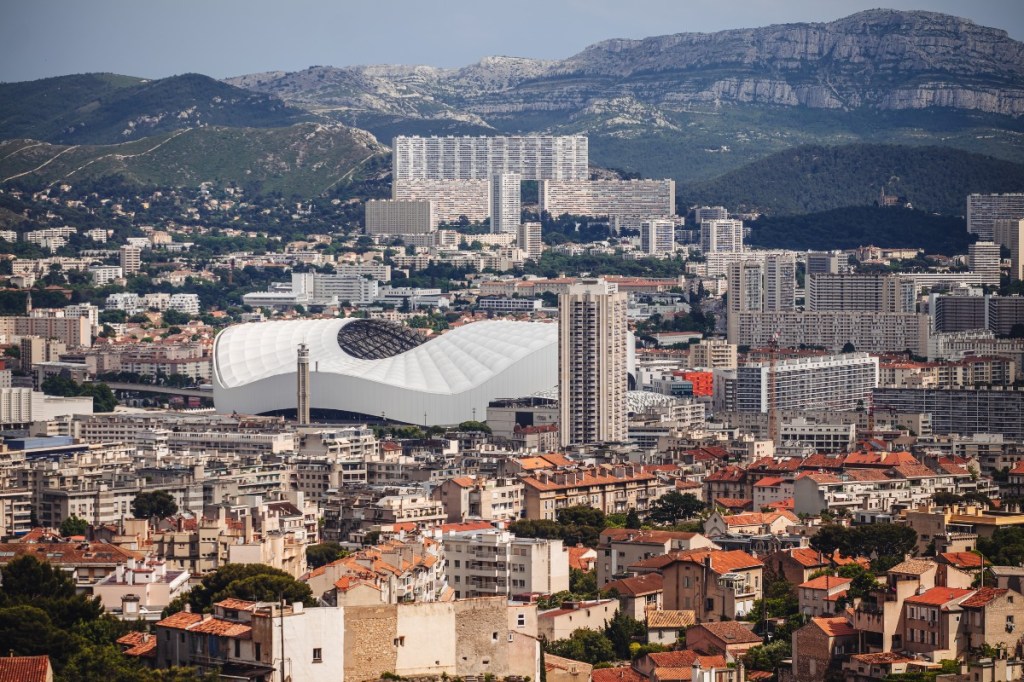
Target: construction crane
x,y
773,407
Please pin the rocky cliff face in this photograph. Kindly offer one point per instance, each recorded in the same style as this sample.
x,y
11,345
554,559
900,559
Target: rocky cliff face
x,y
879,59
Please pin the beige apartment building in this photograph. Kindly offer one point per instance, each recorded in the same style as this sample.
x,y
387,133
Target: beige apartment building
x,y
612,489
483,563
592,363
476,497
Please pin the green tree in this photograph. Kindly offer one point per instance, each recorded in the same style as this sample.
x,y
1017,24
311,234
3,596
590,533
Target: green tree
x,y
589,646
173,317
474,426
583,584
324,553
1004,548
829,538
28,581
254,582
674,506
103,399
157,503
73,525
632,519
769,656
27,630
622,630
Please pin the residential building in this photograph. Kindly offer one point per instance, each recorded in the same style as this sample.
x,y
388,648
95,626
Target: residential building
x,y
713,354
836,382
822,596
452,198
1010,233
983,259
141,590
867,331
820,647
495,562
394,216
958,410
102,275
479,497
534,157
668,627
1004,313
613,489
718,585
528,238
983,210
731,638
721,236
862,292
72,331
822,263
657,237
561,622
131,260
620,548
637,594
592,364
624,202
506,203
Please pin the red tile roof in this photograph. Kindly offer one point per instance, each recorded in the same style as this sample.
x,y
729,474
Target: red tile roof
x,y
731,632
722,561
734,502
983,597
648,583
24,668
835,627
140,644
578,558
222,628
937,596
769,482
962,559
621,674
180,620
825,582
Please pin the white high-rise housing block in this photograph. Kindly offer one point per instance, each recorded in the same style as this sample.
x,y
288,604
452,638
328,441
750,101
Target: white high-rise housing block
x,y
721,236
983,259
1010,233
984,209
506,203
534,157
529,239
657,237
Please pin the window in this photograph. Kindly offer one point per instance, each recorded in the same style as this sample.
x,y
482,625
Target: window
x,y
238,648
318,655
521,620
258,648
400,641
494,636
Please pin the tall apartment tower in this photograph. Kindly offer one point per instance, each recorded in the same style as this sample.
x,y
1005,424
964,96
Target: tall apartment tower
x,y
592,363
721,236
983,259
822,263
984,209
1010,233
131,259
528,237
657,237
302,386
861,291
762,285
506,203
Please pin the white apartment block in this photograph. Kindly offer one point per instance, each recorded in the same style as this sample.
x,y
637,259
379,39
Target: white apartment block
x,y
956,346
626,201
984,209
126,301
44,236
452,198
378,271
657,237
495,562
184,303
592,363
506,203
9,235
983,259
400,216
766,283
528,238
821,437
871,293
1010,233
721,236
867,331
103,275
534,157
834,382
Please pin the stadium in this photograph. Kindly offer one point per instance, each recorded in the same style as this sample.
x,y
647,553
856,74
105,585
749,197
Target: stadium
x,y
374,368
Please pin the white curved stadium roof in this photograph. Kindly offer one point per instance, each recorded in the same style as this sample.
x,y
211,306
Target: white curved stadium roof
x,y
444,378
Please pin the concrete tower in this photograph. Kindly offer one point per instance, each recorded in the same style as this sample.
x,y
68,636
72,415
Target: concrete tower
x,y
302,386
593,359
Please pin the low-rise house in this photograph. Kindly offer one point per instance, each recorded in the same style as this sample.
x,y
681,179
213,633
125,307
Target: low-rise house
x,y
676,666
571,616
750,523
716,584
821,646
667,627
140,590
637,595
798,564
26,669
613,489
88,562
560,669
620,548
821,596
730,638
879,666
992,617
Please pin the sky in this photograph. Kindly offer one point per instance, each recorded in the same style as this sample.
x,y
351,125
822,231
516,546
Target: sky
x,y
221,38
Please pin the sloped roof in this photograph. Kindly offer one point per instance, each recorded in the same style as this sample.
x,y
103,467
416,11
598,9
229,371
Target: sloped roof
x,y
836,626
24,668
620,674
731,632
648,583
962,559
139,644
671,619
982,597
937,596
180,620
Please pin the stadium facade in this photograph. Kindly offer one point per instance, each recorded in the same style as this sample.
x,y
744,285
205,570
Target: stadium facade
x,y
374,368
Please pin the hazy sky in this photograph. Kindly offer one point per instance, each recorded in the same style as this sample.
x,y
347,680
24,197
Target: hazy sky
x,y
156,38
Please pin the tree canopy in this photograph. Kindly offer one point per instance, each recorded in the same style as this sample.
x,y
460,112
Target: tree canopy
x,y
253,582
157,503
